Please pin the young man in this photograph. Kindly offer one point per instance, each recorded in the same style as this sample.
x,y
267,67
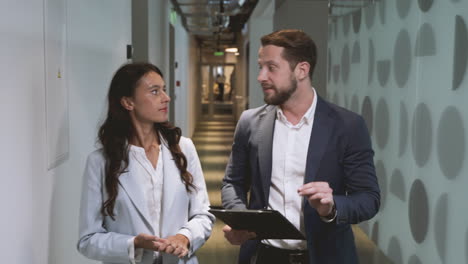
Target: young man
x,y
302,156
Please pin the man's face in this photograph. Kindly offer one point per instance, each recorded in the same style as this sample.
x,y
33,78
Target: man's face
x,y
276,78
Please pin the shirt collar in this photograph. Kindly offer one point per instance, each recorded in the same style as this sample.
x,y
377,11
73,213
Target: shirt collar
x,y
306,118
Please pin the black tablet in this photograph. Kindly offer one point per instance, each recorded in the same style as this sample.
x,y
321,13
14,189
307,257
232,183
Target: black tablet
x,y
267,224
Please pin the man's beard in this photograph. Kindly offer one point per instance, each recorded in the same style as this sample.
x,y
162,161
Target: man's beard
x,y
280,97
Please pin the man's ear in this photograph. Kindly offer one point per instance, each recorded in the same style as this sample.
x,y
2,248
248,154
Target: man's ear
x,y
127,103
302,70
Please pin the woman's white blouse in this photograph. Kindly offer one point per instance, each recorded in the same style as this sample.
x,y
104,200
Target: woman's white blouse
x,y
151,181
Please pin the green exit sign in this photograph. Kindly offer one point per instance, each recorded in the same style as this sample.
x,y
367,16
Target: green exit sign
x,y
219,53
173,17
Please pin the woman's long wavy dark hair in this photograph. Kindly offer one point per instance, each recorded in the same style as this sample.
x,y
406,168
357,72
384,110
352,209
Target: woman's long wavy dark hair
x,y
117,130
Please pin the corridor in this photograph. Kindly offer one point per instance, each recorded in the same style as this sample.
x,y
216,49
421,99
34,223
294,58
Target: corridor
x,y
393,62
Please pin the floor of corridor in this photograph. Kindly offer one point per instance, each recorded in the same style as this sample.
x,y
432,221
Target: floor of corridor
x,y
213,140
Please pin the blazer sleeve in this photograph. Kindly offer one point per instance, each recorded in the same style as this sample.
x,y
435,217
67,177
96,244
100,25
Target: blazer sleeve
x,y
362,199
236,180
95,242
200,223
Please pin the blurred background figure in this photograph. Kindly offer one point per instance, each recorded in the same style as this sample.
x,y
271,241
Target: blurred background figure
x,y
220,80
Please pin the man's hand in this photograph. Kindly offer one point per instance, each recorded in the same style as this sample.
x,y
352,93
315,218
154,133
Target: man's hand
x,y
237,237
176,245
319,195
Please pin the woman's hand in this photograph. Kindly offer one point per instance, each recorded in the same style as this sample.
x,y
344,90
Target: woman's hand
x,y
148,242
176,245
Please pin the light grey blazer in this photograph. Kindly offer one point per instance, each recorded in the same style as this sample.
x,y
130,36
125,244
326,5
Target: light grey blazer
x,y
104,239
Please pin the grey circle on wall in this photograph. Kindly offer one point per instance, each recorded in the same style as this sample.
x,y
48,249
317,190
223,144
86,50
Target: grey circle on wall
x,y
329,65
414,260
425,5
460,52
371,64
421,134
440,226
403,7
418,211
382,10
345,64
382,123
382,178
397,185
383,71
354,104
402,58
357,17
451,142
370,15
336,73
356,54
367,113
346,24
425,41
403,130
375,233
394,250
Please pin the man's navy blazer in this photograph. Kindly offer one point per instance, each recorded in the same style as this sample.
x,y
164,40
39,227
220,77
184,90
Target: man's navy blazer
x,y
339,153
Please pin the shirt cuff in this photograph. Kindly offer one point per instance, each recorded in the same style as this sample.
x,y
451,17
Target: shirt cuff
x,y
328,219
134,255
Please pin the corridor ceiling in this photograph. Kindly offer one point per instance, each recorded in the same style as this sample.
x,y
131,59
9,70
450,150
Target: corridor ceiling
x,y
214,23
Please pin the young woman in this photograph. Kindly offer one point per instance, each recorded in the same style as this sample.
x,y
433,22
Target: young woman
x,y
144,197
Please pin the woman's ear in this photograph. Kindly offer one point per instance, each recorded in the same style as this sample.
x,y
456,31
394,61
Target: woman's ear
x,y
127,103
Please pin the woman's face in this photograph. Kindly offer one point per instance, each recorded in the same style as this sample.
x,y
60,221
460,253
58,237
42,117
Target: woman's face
x,y
150,102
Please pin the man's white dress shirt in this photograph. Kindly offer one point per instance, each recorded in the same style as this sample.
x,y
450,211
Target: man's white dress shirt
x,y
290,146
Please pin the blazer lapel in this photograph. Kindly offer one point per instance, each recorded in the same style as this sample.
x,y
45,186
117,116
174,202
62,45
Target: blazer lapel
x,y
319,138
130,185
265,143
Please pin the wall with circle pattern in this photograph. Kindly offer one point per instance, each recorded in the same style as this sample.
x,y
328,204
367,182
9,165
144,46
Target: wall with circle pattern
x,y
402,65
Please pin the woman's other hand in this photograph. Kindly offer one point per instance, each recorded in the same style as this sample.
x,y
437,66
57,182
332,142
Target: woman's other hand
x,y
176,245
148,242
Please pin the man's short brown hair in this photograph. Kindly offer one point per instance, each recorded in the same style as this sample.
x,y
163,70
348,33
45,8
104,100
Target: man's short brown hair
x,y
298,47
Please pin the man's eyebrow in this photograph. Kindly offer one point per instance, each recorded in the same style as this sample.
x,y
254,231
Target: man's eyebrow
x,y
268,62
